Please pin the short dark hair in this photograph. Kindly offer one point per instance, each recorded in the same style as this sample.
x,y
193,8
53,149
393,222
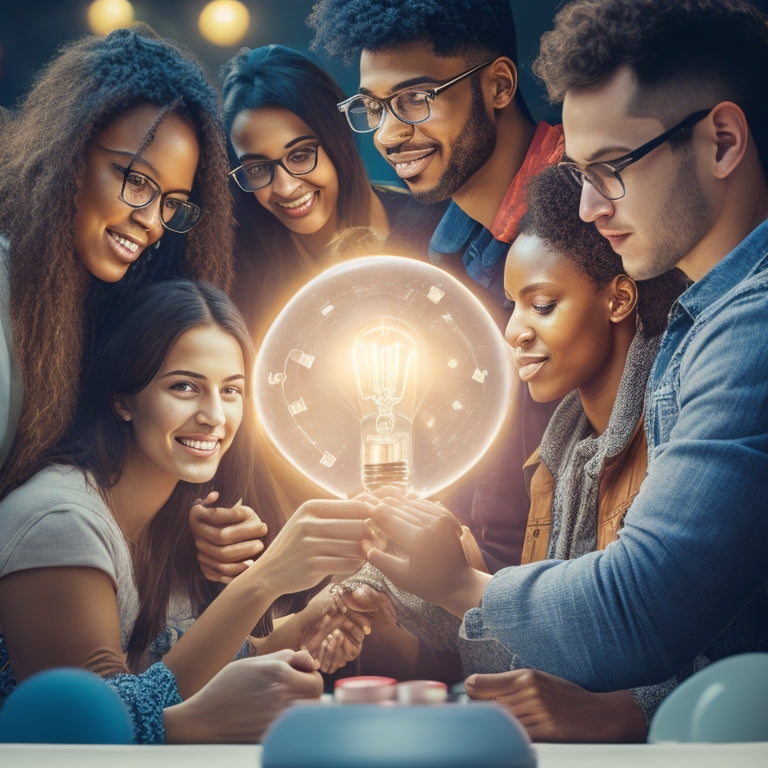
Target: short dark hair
x,y
455,27
553,216
685,54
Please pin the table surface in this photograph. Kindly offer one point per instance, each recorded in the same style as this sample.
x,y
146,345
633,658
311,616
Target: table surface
x,y
752,755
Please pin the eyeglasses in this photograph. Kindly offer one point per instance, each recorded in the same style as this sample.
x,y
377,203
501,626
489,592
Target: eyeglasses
x,y
138,190
257,174
605,177
366,113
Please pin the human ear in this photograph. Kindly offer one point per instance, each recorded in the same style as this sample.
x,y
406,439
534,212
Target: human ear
x,y
730,131
503,76
622,292
122,409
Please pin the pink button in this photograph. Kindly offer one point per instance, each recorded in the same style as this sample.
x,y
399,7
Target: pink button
x,y
367,689
421,692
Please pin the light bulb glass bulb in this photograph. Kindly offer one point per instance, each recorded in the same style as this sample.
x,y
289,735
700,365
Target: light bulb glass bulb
x,y
383,369
386,372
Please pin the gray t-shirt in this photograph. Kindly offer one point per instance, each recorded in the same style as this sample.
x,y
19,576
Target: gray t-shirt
x,y
58,518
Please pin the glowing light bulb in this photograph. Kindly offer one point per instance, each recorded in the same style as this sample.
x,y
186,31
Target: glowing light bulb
x,y
383,369
385,362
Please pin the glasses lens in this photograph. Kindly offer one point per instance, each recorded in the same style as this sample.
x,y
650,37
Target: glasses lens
x,y
138,189
572,173
411,106
599,175
301,160
178,214
364,114
253,176
605,180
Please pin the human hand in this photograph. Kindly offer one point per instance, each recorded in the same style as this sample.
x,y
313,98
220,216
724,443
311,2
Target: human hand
x,y
244,698
553,709
339,620
323,537
228,539
431,562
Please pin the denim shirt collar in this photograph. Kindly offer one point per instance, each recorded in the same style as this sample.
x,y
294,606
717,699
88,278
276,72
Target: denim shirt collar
x,y
749,256
459,233
453,232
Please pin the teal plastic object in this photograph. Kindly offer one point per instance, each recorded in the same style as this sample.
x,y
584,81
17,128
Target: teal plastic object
x,y
382,736
65,706
724,702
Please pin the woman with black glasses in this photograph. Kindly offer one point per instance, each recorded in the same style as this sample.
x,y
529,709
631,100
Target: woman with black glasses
x,y
112,175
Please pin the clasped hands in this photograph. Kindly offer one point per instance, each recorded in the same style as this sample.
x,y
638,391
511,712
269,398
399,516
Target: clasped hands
x,y
428,561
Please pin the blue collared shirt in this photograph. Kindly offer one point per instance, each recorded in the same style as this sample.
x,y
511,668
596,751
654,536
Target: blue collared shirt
x,y
480,251
691,556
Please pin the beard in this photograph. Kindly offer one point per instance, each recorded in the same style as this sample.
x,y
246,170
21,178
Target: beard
x,y
686,221
471,151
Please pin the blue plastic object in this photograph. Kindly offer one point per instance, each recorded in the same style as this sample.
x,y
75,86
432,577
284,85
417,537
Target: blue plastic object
x,y
724,702
381,736
65,706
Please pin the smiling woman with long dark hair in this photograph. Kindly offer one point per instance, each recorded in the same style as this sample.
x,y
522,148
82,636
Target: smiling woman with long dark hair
x,y
112,128
166,406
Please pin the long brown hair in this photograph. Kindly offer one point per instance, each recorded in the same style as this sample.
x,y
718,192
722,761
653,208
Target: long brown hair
x,y
55,302
164,558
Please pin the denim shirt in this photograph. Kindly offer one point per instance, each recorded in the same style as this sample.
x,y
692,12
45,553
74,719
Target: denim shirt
x,y
458,233
690,560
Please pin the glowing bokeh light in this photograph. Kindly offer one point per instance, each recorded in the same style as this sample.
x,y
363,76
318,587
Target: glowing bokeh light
x,y
104,16
224,22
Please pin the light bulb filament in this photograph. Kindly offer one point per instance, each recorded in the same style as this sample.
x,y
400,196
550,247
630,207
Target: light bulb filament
x,y
384,359
386,368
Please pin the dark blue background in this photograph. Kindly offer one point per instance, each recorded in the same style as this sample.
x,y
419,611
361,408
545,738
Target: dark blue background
x,y
31,31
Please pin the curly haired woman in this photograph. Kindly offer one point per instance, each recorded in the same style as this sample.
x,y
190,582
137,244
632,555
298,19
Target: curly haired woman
x,y
112,157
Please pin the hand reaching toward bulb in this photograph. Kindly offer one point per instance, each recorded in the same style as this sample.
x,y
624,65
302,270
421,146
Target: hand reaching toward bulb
x,y
431,562
228,539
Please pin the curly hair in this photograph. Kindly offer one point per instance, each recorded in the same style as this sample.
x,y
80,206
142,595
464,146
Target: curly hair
x,y
694,53
266,258
455,27
553,216
55,301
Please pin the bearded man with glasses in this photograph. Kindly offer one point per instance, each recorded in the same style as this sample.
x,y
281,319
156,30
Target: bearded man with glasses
x,y
439,92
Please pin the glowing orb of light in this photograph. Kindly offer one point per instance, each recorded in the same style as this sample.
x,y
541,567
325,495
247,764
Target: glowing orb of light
x,y
380,367
224,22
104,16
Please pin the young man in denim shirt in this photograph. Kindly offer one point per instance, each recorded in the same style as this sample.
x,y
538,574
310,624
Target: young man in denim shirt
x,y
666,130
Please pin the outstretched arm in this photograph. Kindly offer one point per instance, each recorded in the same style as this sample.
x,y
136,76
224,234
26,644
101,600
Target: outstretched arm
x,y
321,538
